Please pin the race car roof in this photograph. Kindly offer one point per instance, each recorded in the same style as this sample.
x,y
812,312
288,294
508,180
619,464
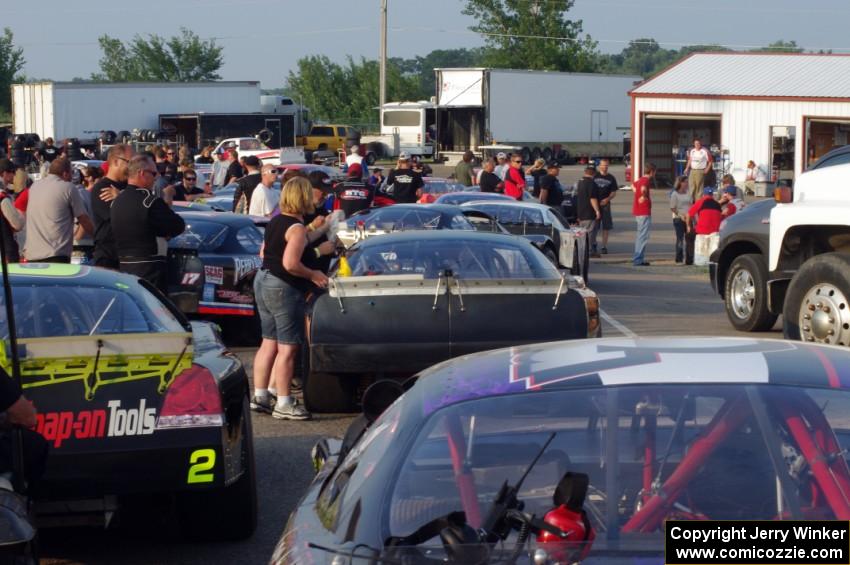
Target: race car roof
x,y
228,218
640,361
440,235
506,204
64,274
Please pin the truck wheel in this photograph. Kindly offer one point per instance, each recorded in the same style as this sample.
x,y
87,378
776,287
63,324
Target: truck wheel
x,y
535,154
526,154
816,307
327,392
546,154
746,294
228,513
322,147
370,158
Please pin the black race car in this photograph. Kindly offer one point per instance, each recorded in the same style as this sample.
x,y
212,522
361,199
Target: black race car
x,y
211,265
416,298
135,402
580,452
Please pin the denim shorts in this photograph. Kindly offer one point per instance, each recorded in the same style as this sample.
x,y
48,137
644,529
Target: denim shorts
x,y
281,308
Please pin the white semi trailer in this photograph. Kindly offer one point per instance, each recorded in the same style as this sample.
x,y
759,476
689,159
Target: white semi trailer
x,y
544,114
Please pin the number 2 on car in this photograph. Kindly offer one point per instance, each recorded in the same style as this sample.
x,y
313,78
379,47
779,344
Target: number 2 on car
x,y
201,461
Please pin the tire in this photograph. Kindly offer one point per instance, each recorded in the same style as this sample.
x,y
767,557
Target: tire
x,y
526,154
229,513
819,291
546,154
745,294
585,273
371,158
322,147
535,154
327,392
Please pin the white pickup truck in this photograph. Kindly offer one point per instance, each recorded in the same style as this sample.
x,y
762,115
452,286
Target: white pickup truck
x,y
809,259
252,146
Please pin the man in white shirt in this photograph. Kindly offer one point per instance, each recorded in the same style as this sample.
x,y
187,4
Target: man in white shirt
x,y
264,200
699,163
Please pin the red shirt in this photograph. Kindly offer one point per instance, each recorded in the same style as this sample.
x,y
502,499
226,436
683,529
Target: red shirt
x,y
22,199
708,213
642,208
514,183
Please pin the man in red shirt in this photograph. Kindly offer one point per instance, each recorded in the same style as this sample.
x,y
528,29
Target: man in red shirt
x,y
642,211
708,213
515,178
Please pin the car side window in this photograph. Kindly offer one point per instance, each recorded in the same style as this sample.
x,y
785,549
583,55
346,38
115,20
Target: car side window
x,y
340,132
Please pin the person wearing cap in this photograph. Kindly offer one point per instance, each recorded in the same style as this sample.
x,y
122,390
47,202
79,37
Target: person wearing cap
x,y
502,165
420,167
515,179
707,212
551,193
404,185
316,222
13,220
246,185
353,194
265,198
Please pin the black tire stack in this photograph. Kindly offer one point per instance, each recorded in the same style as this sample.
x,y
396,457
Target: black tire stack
x,y
73,152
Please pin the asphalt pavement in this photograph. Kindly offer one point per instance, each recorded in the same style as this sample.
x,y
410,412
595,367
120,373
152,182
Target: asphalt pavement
x,y
662,299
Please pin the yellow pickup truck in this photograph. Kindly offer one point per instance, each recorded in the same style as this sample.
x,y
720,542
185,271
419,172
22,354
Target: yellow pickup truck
x,y
325,137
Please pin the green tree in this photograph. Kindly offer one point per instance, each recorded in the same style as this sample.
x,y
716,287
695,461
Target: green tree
x,y
782,46
11,63
642,56
348,92
532,34
180,58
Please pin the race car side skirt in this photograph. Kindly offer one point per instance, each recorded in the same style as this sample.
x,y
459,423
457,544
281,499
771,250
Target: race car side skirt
x,y
224,309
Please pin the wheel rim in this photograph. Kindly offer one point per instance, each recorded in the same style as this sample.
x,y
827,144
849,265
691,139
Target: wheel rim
x,y
824,316
742,294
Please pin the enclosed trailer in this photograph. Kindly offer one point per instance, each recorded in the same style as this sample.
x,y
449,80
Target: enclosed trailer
x,y
200,129
544,113
84,109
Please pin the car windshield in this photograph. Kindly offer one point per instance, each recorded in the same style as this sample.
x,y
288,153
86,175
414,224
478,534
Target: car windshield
x,y
442,187
687,452
468,196
64,310
504,258
200,235
250,145
397,218
506,215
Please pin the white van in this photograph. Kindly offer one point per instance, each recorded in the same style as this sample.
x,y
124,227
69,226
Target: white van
x,y
405,126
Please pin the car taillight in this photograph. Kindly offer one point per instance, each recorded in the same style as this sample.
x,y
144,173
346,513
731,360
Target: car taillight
x,y
418,138
192,400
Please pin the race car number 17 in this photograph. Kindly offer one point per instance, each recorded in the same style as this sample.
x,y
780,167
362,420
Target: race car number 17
x,y
201,461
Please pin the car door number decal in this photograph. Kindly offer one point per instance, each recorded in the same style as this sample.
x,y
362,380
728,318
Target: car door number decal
x,y
201,462
191,278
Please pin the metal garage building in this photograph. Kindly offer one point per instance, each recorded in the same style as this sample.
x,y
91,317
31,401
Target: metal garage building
x,y
781,110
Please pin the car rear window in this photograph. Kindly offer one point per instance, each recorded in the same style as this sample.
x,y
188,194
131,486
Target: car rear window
x,y
200,235
467,259
393,218
64,311
326,131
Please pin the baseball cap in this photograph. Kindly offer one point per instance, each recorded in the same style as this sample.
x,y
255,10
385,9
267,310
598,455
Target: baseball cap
x,y
553,165
355,170
501,155
404,156
708,190
375,169
6,166
252,161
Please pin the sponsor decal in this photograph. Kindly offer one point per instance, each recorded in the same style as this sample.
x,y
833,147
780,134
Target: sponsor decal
x,y
115,421
244,266
214,275
209,292
235,296
190,279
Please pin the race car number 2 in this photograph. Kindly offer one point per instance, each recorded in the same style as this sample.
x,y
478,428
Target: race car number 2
x,y
201,463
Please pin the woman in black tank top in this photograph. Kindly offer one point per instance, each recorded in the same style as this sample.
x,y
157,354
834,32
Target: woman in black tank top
x,y
280,288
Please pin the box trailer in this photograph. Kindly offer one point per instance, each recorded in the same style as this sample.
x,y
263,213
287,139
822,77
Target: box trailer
x,y
546,114
83,109
200,129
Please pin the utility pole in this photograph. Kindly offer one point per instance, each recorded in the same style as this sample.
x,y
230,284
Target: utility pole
x,y
382,58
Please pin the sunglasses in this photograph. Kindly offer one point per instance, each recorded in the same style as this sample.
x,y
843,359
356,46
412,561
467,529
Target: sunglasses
x,y
170,153
517,161
190,178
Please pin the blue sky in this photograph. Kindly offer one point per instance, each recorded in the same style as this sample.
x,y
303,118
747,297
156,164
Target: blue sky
x,y
264,38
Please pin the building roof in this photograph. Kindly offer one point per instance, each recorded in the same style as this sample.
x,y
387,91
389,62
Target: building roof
x,y
757,75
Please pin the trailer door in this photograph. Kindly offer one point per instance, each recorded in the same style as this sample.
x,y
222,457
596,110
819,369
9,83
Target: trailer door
x,y
599,125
